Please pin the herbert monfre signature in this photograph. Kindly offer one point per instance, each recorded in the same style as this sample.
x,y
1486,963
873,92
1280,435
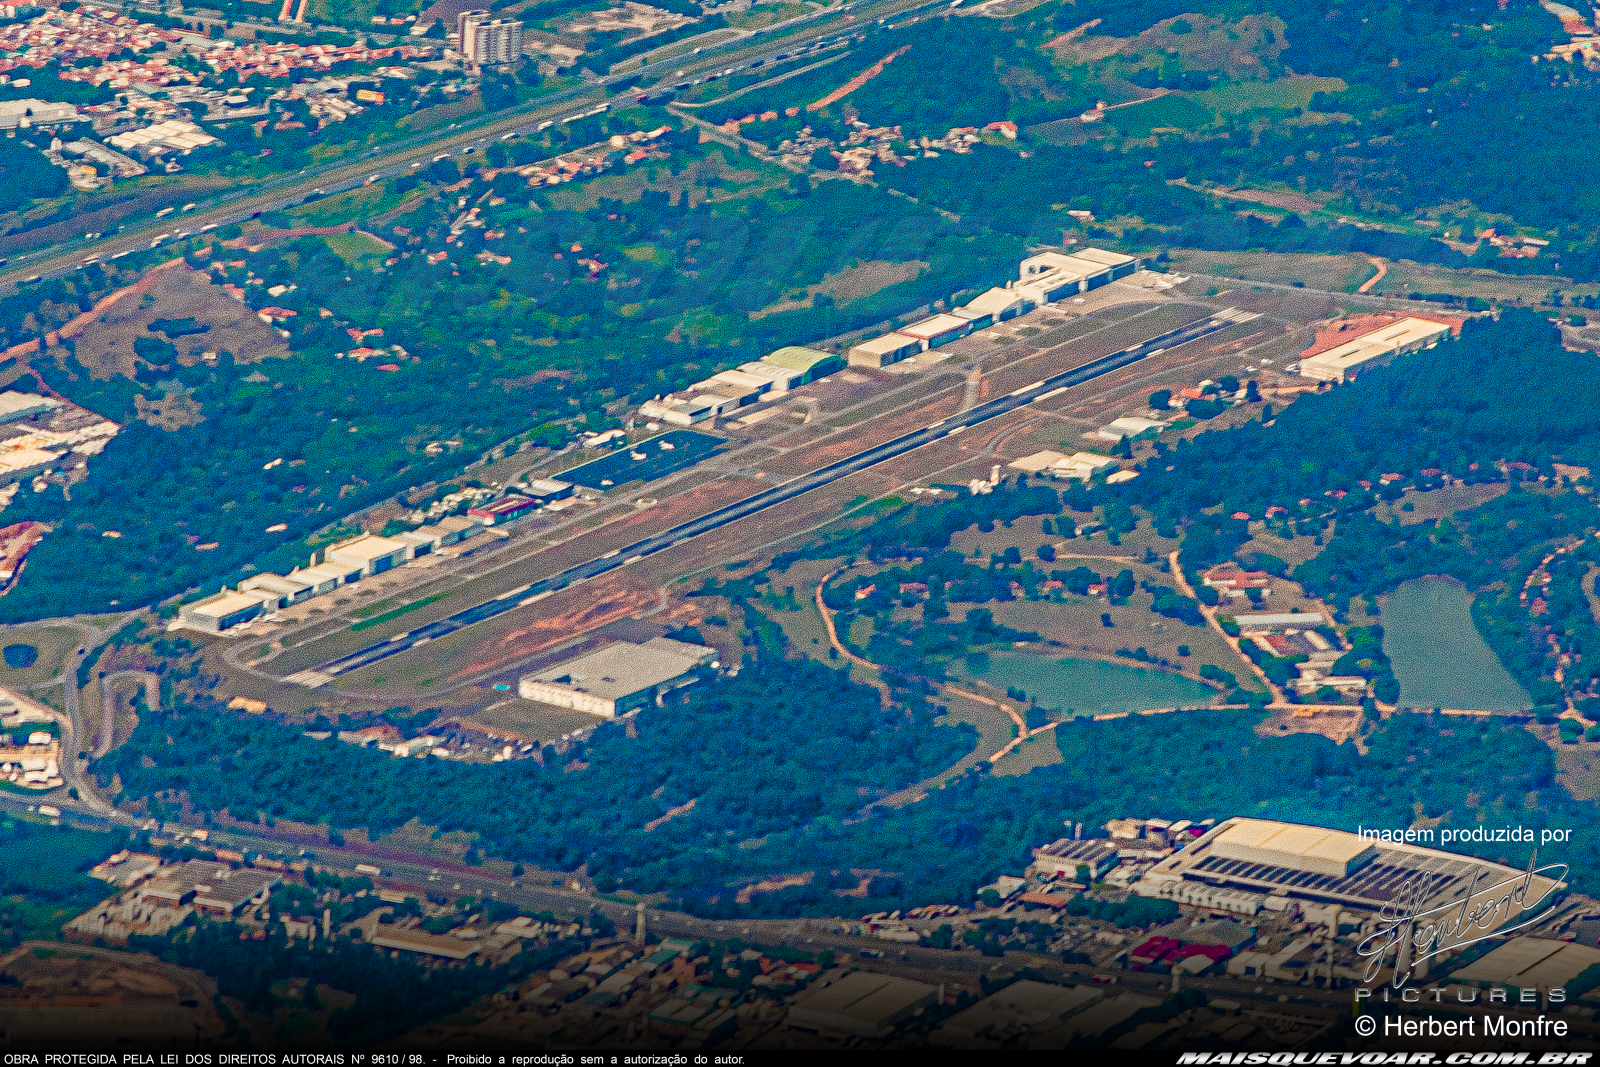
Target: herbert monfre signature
x,y
1416,932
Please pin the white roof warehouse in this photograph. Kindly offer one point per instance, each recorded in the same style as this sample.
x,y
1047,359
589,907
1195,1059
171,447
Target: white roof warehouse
x,y
617,678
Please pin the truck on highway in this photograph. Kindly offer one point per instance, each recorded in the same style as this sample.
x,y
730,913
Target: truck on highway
x,y
164,212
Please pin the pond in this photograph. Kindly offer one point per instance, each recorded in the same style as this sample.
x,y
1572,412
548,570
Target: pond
x,y
1439,658
1088,686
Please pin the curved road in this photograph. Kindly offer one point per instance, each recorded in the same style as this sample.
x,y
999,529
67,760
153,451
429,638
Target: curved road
x,y
622,557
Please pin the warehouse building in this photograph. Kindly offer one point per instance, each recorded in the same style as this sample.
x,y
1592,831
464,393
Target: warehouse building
x,y
370,553
23,463
446,532
506,509
1365,340
546,489
619,677
1013,1015
1312,867
277,590
1051,276
207,886
1118,264
860,1005
326,577
682,410
1129,426
996,305
1268,623
1065,856
221,611
1529,963
779,379
808,361
885,350
15,406
412,940
938,330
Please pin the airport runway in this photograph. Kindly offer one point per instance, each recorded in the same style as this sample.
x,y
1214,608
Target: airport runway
x,y
622,557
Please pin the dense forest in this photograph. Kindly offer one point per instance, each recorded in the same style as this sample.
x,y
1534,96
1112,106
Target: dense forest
x,y
1192,765
781,759
1457,123
777,745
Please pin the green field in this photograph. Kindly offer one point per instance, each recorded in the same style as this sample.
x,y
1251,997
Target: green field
x,y
1282,93
1173,111
54,643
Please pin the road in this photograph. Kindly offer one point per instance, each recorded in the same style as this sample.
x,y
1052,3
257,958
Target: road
x,y
622,557
760,47
108,702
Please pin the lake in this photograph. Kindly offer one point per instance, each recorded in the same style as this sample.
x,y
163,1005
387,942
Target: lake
x,y
1439,658
1089,686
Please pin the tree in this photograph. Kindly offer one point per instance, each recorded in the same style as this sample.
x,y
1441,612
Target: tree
x,y
1161,399
822,159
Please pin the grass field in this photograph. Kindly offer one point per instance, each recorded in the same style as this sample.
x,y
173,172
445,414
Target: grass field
x,y
356,249
1282,93
395,613
1173,111
54,643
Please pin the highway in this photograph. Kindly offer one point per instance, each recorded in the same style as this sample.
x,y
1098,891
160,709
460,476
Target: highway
x,y
775,43
622,557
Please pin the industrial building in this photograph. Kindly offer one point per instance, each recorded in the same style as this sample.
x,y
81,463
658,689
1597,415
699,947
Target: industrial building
x,y
326,577
221,611
15,406
1529,963
370,553
487,41
21,114
209,887
1050,276
860,1005
546,489
996,305
21,463
778,379
883,351
1017,1012
1277,623
506,509
1369,339
1065,856
1082,466
277,590
938,330
725,391
1286,865
810,362
619,677
413,940
1129,426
